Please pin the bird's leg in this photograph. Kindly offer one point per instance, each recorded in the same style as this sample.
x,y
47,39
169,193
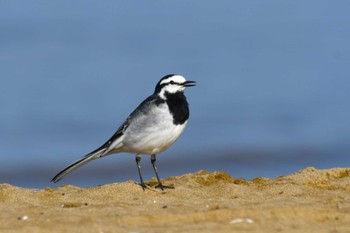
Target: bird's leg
x,y
138,159
160,185
153,161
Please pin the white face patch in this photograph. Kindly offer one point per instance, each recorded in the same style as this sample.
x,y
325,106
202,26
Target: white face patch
x,y
172,84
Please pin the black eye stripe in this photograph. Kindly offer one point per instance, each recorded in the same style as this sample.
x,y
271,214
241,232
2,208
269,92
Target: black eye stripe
x,y
173,82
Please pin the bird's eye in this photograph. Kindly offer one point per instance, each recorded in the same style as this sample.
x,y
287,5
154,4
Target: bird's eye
x,y
172,82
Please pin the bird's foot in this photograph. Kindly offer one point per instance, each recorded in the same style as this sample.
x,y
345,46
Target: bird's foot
x,y
143,185
162,187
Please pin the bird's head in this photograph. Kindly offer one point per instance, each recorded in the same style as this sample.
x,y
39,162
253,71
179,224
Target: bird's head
x,y
172,84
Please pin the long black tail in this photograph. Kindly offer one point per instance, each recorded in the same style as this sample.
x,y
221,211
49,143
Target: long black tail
x,y
87,158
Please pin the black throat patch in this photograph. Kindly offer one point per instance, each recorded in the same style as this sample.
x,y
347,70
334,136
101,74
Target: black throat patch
x,y
178,107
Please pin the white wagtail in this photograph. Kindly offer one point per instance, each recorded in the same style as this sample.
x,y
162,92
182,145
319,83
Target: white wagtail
x,y
150,129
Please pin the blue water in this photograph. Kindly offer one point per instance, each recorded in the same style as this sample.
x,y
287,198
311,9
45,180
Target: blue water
x,y
272,95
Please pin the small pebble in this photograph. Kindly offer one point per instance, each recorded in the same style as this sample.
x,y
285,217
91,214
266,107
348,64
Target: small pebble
x,y
242,220
24,217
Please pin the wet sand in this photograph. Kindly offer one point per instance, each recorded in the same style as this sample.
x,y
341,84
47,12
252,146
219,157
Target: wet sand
x,y
306,201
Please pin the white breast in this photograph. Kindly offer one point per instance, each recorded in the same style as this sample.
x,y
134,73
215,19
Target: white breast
x,y
152,133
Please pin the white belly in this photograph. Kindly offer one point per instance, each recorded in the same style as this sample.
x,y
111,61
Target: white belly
x,y
152,135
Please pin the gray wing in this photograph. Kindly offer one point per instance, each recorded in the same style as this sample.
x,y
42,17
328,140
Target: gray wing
x,y
141,109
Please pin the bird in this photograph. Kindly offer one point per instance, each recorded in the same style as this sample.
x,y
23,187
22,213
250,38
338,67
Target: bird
x,y
149,130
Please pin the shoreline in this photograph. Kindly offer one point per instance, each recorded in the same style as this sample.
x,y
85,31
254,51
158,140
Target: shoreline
x,y
309,200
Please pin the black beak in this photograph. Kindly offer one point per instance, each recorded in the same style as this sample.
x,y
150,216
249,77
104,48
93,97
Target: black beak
x,y
189,83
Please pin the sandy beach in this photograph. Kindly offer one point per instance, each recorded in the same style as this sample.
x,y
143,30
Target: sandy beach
x,y
309,200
